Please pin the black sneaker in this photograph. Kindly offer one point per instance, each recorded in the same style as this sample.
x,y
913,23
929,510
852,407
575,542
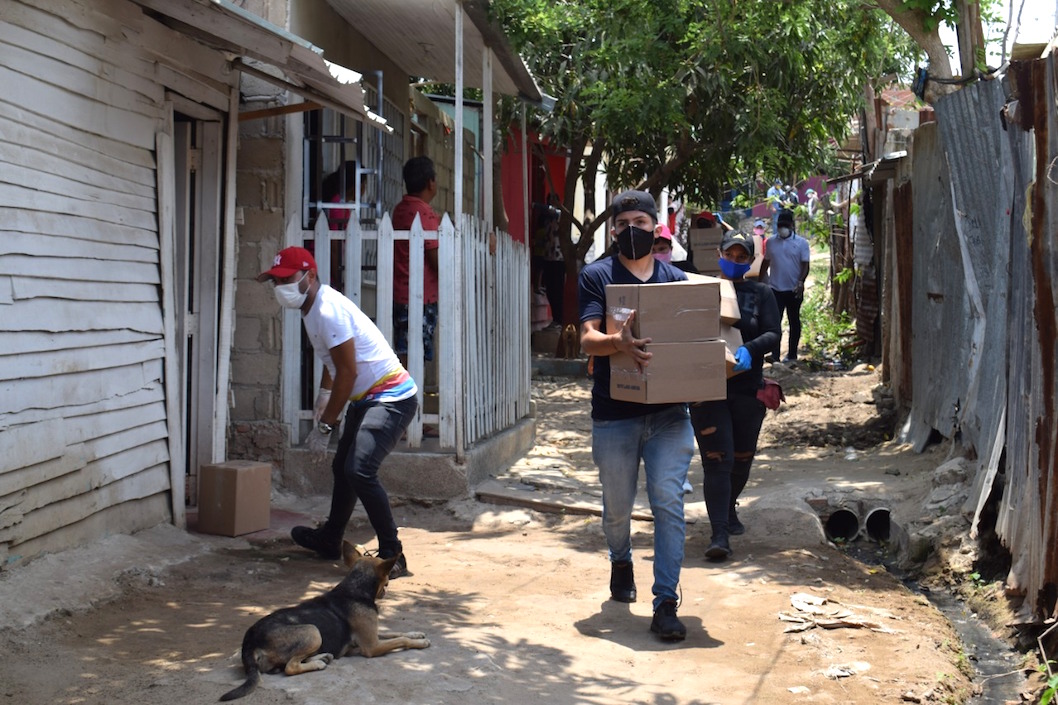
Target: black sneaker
x,y
666,625
719,548
400,568
317,540
622,582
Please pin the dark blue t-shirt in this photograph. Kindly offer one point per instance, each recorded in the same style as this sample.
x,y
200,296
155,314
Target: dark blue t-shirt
x,y
592,294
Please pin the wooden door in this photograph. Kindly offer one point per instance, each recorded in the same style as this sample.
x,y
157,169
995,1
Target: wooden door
x,y
198,160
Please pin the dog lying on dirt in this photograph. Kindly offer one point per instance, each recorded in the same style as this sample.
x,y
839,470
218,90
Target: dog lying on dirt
x,y
310,635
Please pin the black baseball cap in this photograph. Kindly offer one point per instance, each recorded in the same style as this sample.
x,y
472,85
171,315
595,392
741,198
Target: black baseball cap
x,y
735,237
635,201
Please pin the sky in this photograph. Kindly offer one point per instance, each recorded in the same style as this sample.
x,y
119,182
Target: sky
x,y
1038,19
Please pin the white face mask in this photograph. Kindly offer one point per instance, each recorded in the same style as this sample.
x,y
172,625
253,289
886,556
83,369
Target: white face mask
x,y
290,295
785,233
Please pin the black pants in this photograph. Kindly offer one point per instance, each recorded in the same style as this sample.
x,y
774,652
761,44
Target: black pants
x,y
371,432
555,286
724,429
790,302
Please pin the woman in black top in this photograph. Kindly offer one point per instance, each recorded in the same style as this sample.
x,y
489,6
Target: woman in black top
x,y
727,429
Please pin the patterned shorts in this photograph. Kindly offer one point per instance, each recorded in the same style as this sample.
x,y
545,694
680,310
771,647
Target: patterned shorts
x,y
400,328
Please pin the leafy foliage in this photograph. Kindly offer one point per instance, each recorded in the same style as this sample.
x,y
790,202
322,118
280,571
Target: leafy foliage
x,y
695,95
1051,689
934,12
826,336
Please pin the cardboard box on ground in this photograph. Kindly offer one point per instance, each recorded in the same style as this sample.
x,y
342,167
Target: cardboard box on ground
x,y
234,497
683,321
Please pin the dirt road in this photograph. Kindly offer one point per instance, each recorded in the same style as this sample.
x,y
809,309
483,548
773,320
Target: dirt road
x,y
514,600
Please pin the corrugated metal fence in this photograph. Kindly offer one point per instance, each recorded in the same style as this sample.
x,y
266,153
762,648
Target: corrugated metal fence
x,y
983,294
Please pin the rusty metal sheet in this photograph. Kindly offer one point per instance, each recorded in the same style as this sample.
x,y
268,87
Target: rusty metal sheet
x,y
939,311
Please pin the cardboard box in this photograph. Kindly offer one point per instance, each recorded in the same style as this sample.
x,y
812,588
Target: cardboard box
x,y
674,312
732,338
705,238
678,372
729,312
234,498
758,257
706,261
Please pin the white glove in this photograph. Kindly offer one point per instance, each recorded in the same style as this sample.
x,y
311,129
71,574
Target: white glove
x,y
317,444
322,399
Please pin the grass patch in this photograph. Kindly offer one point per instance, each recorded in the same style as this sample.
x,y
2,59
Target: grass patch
x,y
827,337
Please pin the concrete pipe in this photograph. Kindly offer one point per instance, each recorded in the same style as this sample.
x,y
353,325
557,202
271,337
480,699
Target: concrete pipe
x,y
842,525
877,525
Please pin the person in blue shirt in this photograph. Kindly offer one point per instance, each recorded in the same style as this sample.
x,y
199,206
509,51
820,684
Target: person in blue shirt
x,y
727,429
786,263
625,433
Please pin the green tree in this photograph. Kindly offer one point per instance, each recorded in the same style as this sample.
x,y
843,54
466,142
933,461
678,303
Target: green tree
x,y
694,95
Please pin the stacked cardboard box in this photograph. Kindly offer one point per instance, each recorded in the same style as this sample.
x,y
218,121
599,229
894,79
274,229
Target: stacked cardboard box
x,y
682,319
729,316
703,244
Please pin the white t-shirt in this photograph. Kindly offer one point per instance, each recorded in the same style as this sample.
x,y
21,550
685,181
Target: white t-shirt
x,y
333,320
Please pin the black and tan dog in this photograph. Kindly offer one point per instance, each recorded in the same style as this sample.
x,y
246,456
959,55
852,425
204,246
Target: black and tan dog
x,y
342,621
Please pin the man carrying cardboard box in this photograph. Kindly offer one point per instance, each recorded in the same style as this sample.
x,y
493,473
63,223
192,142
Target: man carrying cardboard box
x,y
727,429
623,433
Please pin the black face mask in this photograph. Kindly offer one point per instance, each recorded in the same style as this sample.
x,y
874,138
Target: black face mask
x,y
635,243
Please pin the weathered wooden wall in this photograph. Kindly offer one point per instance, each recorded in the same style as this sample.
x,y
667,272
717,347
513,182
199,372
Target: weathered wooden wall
x,y
83,421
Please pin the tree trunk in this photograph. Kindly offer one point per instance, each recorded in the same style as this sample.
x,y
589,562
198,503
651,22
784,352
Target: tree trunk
x,y
913,22
971,36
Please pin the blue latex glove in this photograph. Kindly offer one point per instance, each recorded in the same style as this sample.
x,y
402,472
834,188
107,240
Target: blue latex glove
x,y
743,360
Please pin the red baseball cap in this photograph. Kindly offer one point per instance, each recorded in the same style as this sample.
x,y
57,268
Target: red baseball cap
x,y
287,262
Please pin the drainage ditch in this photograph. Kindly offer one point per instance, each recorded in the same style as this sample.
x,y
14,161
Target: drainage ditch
x,y
995,663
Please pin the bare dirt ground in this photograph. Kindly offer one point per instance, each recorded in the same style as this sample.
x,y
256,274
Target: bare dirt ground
x,y
514,600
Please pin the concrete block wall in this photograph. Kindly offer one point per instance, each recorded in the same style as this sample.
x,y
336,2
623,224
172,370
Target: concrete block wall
x,y
255,431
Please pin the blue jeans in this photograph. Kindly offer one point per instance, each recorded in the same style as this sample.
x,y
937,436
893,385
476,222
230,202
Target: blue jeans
x,y
665,443
371,432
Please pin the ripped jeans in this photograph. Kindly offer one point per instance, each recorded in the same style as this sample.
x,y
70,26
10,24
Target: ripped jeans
x,y
726,431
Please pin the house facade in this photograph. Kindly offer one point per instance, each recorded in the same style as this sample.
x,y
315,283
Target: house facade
x,y
154,155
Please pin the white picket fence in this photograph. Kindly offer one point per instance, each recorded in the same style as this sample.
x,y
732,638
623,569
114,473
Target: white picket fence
x,y
482,352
